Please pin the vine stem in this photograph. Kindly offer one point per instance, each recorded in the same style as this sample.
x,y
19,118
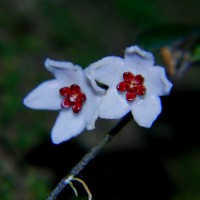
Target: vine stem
x,y
89,156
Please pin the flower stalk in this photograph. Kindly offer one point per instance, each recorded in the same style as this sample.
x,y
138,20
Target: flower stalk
x,y
88,157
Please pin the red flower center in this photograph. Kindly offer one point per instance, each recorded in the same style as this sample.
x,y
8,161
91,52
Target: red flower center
x,y
133,85
73,96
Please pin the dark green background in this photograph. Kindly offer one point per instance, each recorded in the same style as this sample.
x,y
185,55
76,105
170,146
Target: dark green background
x,y
166,163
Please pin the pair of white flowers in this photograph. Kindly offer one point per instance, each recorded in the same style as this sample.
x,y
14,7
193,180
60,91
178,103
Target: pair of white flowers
x,y
134,84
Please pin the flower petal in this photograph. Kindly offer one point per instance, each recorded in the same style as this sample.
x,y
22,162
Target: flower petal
x,y
65,72
90,110
112,106
44,96
90,106
156,81
137,59
91,119
68,125
106,71
145,110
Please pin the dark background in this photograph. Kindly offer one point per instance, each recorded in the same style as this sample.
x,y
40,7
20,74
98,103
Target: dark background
x,y
160,163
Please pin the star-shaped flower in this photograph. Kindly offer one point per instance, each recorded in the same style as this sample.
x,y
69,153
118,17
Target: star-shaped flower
x,y
70,93
134,84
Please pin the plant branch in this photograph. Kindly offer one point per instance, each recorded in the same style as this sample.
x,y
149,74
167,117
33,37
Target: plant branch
x,y
89,156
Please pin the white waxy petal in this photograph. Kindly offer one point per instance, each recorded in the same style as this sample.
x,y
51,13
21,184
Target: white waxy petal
x,y
137,59
112,106
106,71
156,81
65,72
68,125
90,110
45,96
90,106
146,110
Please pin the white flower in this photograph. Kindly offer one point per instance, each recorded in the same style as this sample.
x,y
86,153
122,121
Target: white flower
x,y
70,93
134,84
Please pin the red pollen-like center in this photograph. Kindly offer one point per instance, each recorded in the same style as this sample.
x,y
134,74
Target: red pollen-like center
x,y
132,85
73,97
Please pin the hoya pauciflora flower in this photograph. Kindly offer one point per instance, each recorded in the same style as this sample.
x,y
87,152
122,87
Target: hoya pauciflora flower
x,y
70,93
134,84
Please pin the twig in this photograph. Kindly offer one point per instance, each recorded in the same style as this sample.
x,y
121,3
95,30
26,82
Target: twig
x,y
85,186
89,156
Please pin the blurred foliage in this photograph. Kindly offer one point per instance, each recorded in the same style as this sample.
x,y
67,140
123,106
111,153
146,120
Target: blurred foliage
x,y
82,32
196,54
144,13
185,170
